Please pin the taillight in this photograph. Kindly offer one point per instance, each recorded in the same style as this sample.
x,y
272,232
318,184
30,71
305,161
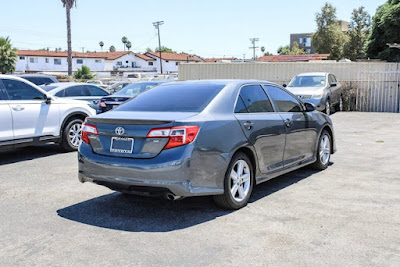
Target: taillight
x,y
178,136
102,104
88,129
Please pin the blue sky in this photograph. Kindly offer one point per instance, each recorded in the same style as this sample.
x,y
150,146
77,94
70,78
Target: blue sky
x,y
208,28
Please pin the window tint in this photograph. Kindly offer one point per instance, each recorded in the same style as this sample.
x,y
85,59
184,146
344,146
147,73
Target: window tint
x,y
255,99
95,91
78,90
174,98
18,90
240,106
283,100
61,93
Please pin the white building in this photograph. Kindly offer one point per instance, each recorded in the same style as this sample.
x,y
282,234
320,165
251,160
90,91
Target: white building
x,y
51,61
170,61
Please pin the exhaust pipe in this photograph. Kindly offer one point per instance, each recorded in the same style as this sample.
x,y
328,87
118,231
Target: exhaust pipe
x,y
172,197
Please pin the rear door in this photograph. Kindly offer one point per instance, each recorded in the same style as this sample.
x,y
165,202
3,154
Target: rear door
x,y
6,132
262,126
301,132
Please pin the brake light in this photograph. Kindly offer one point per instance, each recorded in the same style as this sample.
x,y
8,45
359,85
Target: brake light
x,y
102,104
178,136
88,129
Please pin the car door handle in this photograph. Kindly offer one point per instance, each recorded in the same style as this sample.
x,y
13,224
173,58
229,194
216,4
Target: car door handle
x,y
288,122
248,125
18,108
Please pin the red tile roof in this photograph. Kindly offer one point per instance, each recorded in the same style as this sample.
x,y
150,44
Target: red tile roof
x,y
144,57
174,56
283,58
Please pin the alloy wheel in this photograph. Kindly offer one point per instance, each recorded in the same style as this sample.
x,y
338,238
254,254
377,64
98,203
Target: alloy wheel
x,y
325,149
240,180
74,134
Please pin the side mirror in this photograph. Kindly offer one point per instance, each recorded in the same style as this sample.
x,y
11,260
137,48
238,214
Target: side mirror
x,y
309,107
333,84
47,99
284,85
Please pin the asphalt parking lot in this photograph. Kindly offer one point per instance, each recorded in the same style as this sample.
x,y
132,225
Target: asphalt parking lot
x,y
346,215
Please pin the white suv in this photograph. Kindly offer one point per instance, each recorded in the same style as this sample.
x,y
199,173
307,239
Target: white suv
x,y
28,116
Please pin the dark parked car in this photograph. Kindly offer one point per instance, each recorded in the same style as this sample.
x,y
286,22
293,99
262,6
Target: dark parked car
x,y
39,79
78,91
129,91
198,138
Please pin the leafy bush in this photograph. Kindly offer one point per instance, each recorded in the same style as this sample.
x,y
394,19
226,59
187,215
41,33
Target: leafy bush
x,y
83,73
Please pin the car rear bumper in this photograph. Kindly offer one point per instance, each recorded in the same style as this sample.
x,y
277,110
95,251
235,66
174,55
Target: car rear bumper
x,y
178,171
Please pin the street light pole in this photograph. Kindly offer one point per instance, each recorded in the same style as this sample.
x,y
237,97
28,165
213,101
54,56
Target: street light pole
x,y
157,26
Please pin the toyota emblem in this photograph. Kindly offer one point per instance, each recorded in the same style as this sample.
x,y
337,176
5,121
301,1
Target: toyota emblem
x,y
119,130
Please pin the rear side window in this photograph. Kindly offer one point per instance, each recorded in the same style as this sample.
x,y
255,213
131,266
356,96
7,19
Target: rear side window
x,y
94,91
284,101
174,98
18,90
255,99
39,80
76,91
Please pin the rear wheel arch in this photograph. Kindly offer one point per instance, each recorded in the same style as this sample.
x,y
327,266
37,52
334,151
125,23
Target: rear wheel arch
x,y
251,155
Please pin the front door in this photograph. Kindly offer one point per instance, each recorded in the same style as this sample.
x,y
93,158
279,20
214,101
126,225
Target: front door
x,y
301,132
262,126
31,115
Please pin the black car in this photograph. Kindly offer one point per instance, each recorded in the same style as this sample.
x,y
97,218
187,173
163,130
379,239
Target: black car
x,y
39,79
128,92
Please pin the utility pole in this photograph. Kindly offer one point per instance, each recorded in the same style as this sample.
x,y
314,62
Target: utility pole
x,y
157,26
254,47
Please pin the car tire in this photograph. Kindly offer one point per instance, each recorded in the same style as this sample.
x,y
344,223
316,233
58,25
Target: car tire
x,y
71,135
327,110
323,152
237,190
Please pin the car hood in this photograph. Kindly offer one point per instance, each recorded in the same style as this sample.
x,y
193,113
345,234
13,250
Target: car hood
x,y
304,90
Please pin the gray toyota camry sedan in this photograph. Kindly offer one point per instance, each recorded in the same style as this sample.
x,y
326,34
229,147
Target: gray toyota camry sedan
x,y
196,138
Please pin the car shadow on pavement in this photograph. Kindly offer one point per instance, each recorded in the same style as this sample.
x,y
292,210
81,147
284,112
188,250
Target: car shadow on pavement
x,y
29,153
145,214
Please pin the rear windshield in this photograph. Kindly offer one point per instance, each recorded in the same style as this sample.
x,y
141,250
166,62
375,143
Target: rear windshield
x,y
48,88
174,98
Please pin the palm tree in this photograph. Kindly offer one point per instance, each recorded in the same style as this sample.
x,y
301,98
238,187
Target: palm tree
x,y
101,45
124,41
68,4
112,48
128,45
8,56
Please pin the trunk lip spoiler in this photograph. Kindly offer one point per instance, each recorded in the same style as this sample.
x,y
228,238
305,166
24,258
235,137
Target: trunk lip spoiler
x,y
127,121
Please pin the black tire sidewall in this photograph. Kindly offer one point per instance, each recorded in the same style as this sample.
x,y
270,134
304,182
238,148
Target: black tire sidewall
x,y
65,140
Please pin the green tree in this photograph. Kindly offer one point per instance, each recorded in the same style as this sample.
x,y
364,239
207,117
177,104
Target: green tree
x,y
296,50
124,41
385,29
128,45
112,48
268,54
83,73
8,56
148,49
101,45
359,28
329,38
165,49
68,4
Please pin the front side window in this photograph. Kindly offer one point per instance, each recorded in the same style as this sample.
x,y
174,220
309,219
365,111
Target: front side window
x,y
308,81
57,61
18,90
78,90
61,93
284,101
240,106
255,99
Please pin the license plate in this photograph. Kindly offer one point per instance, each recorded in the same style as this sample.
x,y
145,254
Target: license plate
x,y
121,145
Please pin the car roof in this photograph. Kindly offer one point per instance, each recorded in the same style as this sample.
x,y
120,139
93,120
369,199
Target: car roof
x,y
313,74
63,85
221,82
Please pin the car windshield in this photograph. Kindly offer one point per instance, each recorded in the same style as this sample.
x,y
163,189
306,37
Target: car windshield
x,y
48,88
308,81
174,98
135,89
